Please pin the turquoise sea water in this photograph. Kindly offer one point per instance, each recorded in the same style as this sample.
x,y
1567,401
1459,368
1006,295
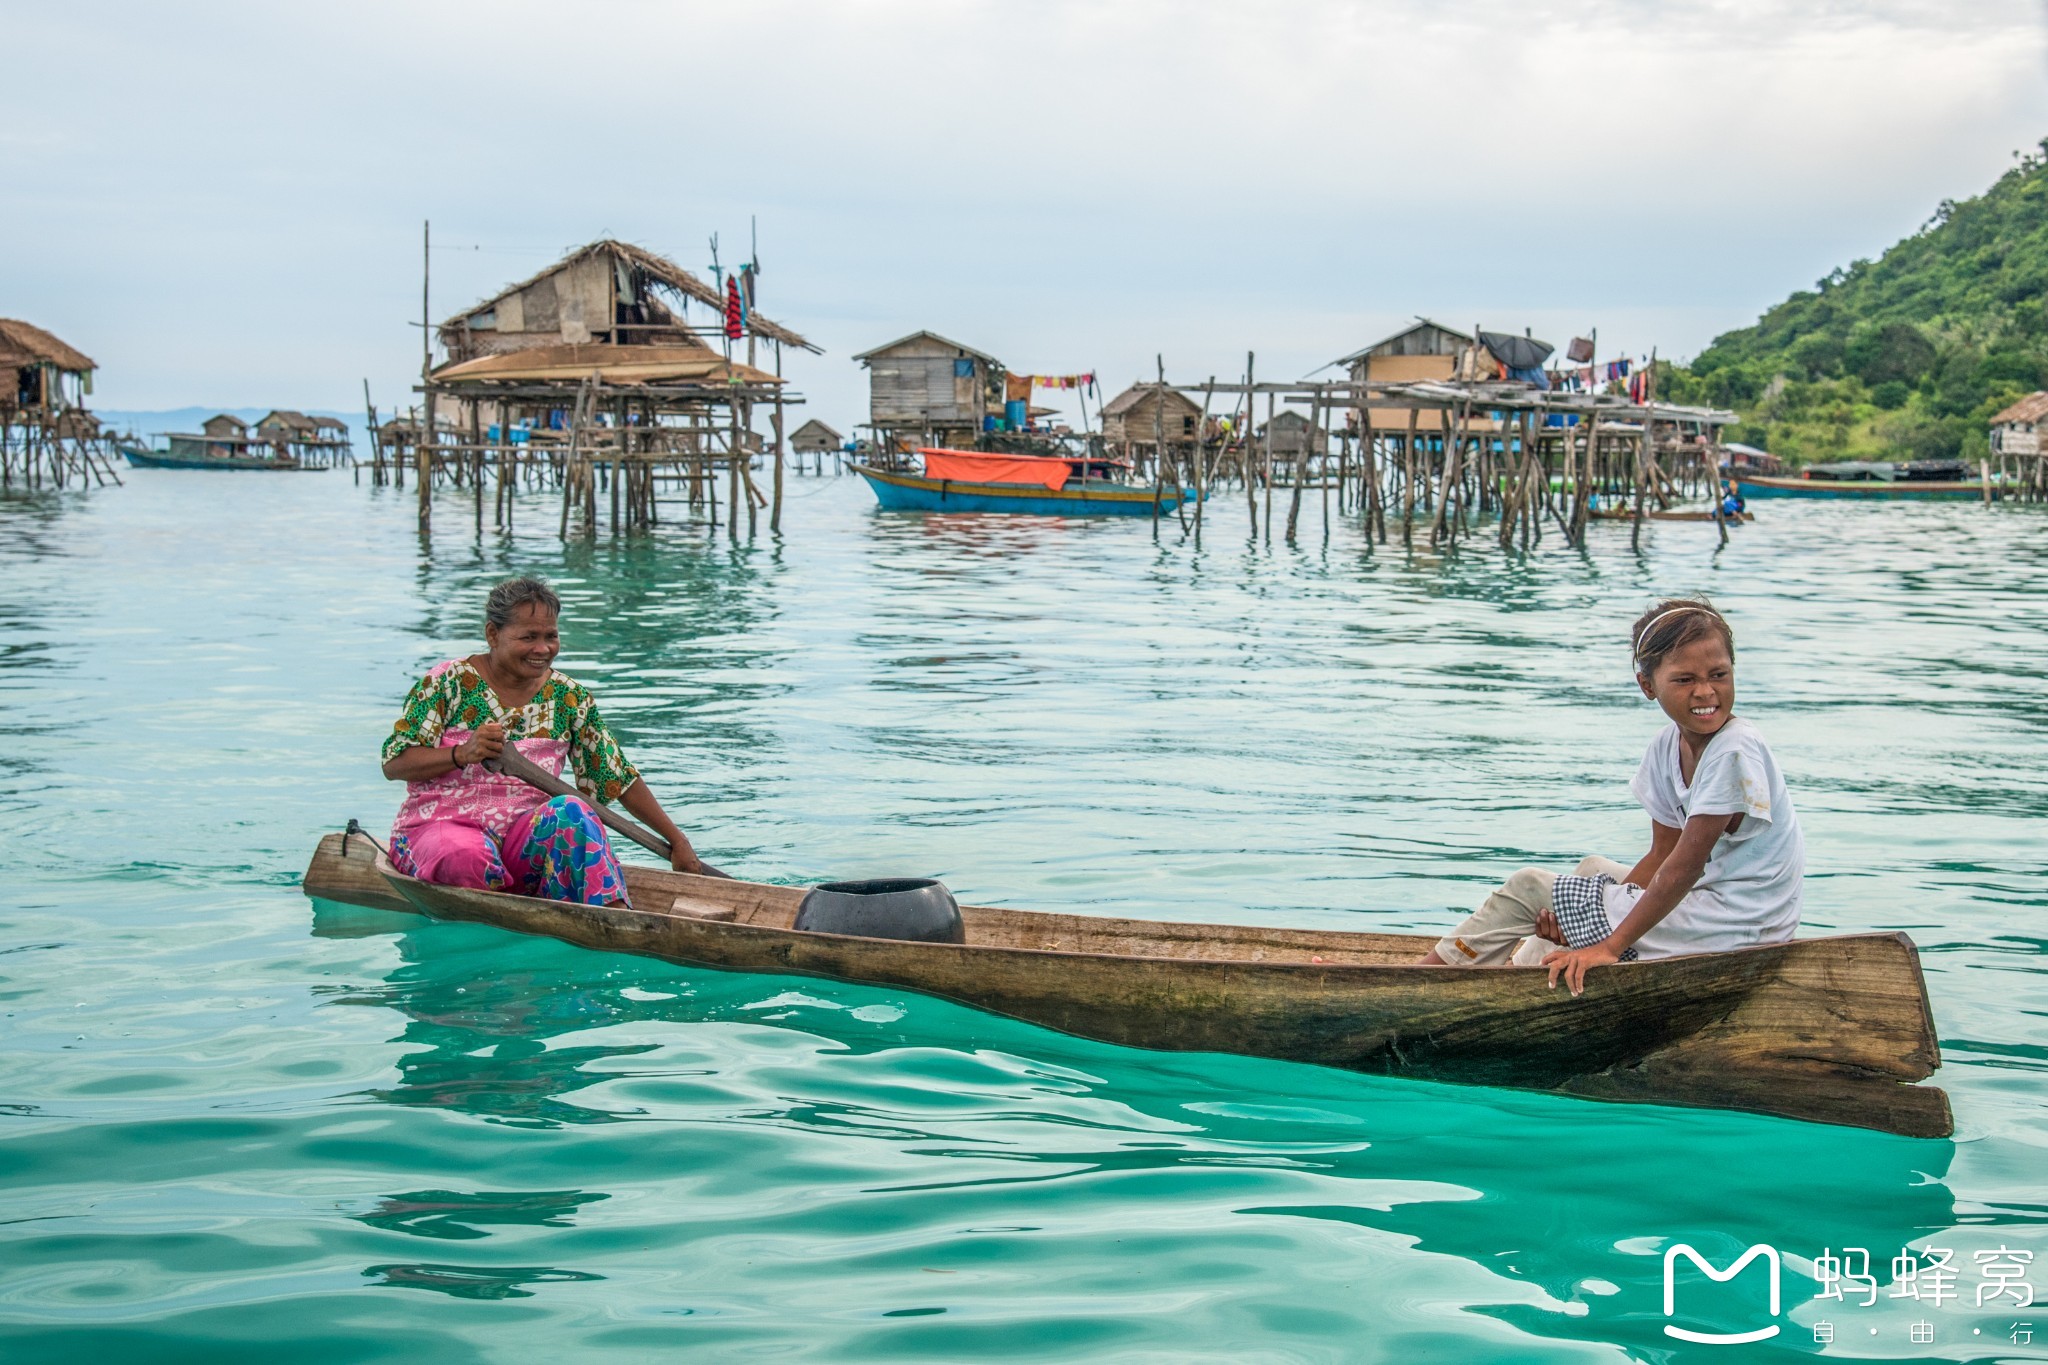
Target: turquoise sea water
x,y
239,1125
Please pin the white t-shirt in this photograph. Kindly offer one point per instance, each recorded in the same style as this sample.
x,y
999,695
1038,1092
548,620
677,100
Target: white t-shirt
x,y
1749,891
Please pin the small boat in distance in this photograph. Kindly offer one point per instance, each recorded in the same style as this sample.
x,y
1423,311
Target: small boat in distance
x,y
1829,1030
1668,514
223,442
1036,485
194,452
1918,479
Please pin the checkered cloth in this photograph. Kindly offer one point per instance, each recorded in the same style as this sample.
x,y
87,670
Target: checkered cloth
x,y
1580,904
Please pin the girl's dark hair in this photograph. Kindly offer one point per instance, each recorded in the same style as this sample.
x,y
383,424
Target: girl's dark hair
x,y
1673,624
509,597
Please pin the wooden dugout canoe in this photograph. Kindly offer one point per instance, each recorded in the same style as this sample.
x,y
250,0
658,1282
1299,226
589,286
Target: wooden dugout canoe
x,y
1666,514
1830,1030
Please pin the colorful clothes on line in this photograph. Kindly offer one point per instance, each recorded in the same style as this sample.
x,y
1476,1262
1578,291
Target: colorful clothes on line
x,y
735,309
559,726
556,850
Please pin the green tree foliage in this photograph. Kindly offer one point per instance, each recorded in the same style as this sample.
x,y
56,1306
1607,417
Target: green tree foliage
x,y
1885,352
1904,356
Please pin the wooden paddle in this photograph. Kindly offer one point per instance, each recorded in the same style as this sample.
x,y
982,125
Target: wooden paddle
x,y
515,764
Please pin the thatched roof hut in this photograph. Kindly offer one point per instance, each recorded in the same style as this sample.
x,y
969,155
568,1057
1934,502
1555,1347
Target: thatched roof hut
x,y
285,422
24,343
2017,430
610,293
614,365
1289,432
36,363
1136,416
814,437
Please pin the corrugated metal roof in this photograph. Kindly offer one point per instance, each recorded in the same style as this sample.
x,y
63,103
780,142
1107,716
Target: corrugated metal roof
x,y
1416,326
932,336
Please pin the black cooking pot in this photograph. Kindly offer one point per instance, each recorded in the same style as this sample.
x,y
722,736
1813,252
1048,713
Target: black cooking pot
x,y
916,909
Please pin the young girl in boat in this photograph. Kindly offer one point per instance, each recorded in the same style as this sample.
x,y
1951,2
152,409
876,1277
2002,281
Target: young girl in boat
x,y
1726,857
464,825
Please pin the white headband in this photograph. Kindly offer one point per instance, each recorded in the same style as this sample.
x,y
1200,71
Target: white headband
x,y
1644,633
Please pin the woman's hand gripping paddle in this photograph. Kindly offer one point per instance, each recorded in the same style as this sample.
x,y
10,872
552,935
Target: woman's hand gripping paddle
x,y
512,763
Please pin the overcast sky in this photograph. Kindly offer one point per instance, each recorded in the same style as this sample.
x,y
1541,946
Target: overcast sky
x,y
221,203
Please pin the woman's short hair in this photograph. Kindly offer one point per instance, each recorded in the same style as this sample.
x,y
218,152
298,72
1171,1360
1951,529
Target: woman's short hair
x,y
1673,624
514,595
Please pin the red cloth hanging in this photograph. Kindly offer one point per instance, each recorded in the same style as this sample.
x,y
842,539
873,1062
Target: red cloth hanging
x,y
735,310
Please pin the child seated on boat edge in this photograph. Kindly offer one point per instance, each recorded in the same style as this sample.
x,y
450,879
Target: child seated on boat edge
x,y
1726,857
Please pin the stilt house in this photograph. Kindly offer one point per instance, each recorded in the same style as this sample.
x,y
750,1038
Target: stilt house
x,y
1133,421
1289,432
46,434
609,293
924,389
44,376
597,355
815,438
1425,351
2017,430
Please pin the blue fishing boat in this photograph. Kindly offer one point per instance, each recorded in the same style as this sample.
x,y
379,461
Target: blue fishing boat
x,y
1871,480
1033,485
204,452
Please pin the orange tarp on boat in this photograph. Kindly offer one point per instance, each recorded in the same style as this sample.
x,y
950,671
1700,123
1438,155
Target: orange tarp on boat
x,y
978,466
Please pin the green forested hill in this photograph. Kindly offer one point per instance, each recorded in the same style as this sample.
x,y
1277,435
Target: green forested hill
x,y
1907,355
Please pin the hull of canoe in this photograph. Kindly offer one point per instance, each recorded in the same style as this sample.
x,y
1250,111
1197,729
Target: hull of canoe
x,y
156,459
1757,486
1829,1030
899,492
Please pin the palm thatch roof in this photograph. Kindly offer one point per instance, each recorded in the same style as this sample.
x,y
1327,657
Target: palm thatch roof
x,y
656,270
617,365
24,343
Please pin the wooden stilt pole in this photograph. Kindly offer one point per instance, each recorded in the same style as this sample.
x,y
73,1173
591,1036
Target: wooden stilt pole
x,y
424,453
1244,447
775,515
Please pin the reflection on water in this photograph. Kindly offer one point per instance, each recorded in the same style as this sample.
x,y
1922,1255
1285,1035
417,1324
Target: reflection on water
x,y
456,1216
217,1128
950,1105
473,1281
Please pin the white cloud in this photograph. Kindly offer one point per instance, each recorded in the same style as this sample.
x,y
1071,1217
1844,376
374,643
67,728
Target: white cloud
x,y
221,203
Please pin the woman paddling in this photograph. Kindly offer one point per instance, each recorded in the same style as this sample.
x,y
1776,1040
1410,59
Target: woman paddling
x,y
465,825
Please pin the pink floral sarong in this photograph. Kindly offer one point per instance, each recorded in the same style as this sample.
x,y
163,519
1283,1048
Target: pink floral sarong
x,y
473,827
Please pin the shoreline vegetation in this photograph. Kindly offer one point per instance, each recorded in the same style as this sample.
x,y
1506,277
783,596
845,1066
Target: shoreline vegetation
x,y
1905,357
